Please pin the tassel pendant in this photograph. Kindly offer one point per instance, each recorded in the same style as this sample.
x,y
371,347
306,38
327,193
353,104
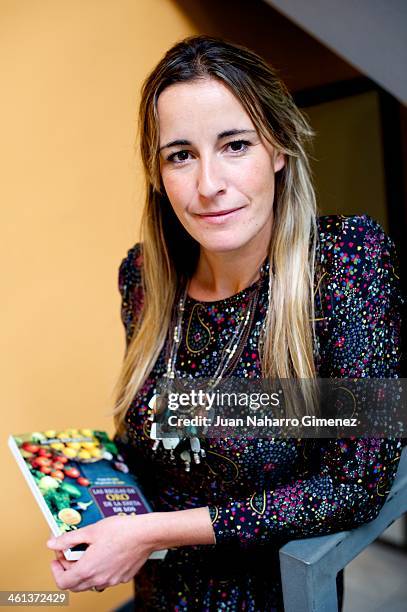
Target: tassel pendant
x,y
195,448
186,457
152,405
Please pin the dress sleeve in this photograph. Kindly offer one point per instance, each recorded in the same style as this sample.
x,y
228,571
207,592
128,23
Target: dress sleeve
x,y
346,481
131,289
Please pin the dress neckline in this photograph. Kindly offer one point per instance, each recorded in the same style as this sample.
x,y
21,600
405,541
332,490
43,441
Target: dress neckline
x,y
236,297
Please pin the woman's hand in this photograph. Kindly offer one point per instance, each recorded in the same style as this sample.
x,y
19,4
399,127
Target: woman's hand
x,y
61,558
118,547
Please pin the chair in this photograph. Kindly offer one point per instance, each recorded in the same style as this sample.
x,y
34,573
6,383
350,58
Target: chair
x,y
309,567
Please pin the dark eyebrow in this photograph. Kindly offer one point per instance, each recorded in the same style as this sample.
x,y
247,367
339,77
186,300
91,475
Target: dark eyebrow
x,y
175,143
225,134
228,133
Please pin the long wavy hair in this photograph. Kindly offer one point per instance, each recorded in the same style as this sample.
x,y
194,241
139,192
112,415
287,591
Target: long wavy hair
x,y
170,254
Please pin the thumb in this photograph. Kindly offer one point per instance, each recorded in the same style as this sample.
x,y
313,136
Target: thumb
x,y
69,539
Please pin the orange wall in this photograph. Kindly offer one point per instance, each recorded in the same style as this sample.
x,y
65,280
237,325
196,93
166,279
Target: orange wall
x,y
71,193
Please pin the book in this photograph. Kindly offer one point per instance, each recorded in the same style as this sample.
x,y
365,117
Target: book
x,y
78,477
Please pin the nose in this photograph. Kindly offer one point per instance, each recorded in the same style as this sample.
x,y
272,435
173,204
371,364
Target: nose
x,y
210,180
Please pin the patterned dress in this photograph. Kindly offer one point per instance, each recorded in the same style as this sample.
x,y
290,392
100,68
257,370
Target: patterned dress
x,y
262,493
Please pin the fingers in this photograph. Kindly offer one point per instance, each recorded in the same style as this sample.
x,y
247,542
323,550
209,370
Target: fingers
x,y
70,539
71,580
70,575
75,576
61,558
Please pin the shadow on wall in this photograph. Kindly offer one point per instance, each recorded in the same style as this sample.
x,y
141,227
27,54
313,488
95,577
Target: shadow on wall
x,y
301,60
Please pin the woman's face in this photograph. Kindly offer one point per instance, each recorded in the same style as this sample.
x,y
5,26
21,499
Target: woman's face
x,y
217,172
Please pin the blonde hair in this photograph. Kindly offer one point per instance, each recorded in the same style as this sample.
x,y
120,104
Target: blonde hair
x,y
170,254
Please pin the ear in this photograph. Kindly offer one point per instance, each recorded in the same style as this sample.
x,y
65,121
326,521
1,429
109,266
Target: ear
x,y
279,161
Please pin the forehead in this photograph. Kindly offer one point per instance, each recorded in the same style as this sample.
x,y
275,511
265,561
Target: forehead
x,y
200,105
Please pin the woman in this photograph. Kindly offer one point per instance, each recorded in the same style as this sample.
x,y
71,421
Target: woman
x,y
237,276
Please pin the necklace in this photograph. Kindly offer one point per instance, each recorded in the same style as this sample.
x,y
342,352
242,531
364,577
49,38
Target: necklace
x,y
229,358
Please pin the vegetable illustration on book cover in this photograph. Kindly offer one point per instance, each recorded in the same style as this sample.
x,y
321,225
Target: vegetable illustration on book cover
x,y
78,477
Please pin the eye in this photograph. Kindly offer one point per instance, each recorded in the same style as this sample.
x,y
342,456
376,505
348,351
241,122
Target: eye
x,y
179,157
238,146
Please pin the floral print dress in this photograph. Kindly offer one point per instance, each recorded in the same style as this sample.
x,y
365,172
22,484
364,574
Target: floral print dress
x,y
263,492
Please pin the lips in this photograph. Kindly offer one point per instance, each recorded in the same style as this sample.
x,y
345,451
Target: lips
x,y
219,213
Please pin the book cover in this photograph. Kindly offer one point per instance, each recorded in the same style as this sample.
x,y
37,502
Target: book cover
x,y
77,477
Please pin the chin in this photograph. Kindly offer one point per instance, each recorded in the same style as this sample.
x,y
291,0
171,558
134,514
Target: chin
x,y
222,244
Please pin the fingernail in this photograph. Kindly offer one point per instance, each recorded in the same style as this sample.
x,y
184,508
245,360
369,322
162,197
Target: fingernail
x,y
51,542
